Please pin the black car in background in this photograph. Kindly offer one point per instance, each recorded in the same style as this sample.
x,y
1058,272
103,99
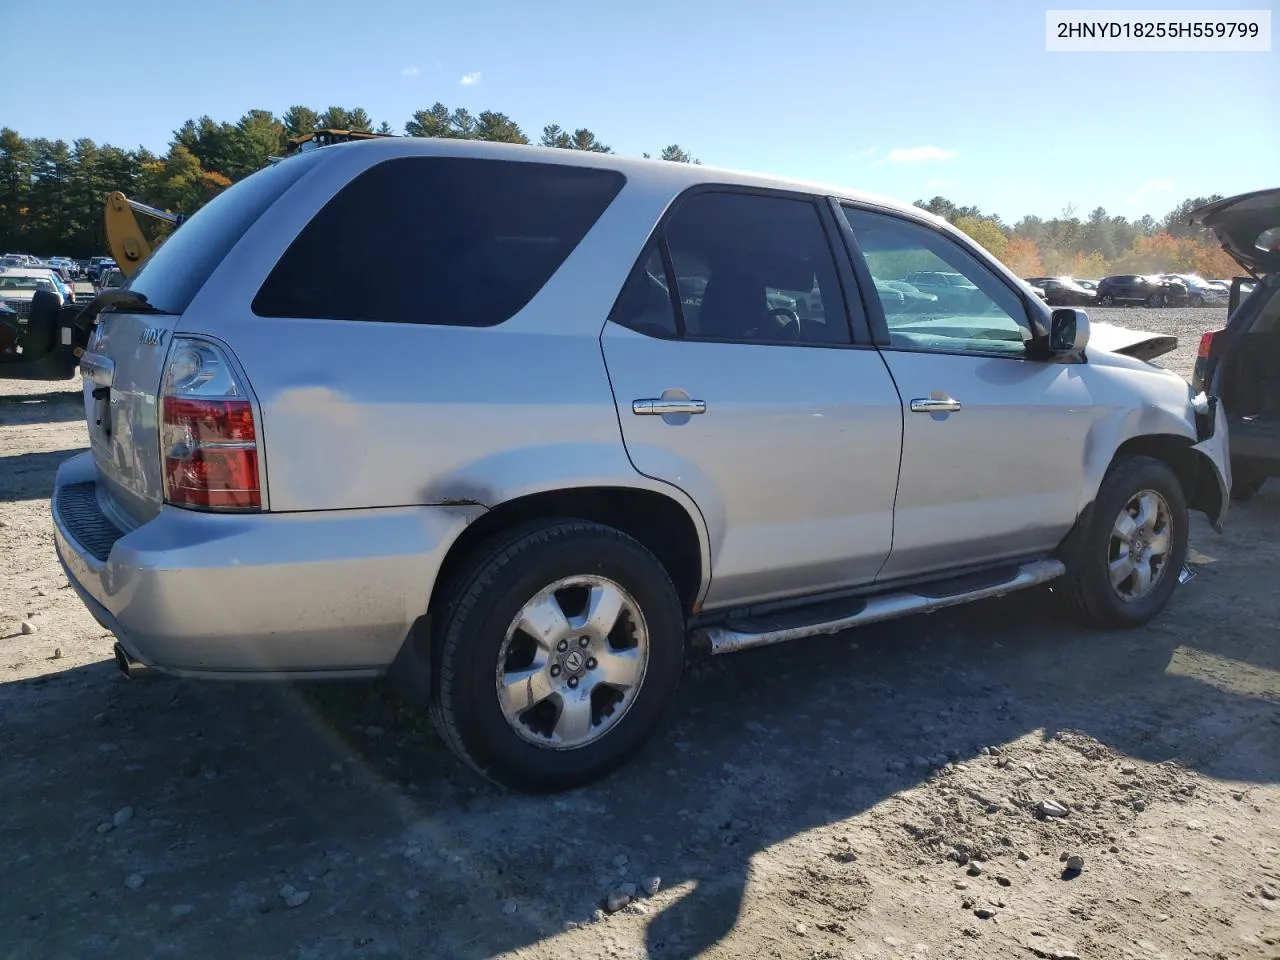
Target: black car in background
x,y
1063,291
1148,291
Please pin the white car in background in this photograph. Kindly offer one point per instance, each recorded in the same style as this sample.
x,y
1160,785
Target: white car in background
x,y
19,284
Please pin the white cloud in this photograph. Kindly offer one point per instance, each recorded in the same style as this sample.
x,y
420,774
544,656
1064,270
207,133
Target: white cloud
x,y
410,71
865,154
919,154
470,79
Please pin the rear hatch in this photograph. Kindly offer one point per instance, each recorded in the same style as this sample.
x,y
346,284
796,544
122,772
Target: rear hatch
x,y
1248,226
125,359
122,369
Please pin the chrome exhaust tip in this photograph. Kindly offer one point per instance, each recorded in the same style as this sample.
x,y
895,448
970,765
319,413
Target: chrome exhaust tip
x,y
128,666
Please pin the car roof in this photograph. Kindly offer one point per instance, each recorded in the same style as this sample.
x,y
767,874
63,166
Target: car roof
x,y
39,272
676,176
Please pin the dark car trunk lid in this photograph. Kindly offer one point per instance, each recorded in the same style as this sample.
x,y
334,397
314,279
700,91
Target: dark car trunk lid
x,y
1248,226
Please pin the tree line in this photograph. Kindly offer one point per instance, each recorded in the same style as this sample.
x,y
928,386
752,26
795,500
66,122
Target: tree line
x,y
1096,245
52,191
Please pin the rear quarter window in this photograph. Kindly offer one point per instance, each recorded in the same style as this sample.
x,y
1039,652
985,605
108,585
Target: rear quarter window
x,y
437,240
177,269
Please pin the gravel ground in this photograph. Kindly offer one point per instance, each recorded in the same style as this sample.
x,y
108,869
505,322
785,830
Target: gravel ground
x,y
908,790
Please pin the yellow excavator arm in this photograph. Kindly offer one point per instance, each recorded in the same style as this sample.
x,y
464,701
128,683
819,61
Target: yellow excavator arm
x,y
128,245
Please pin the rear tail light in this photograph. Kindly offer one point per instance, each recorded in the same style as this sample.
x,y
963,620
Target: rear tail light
x,y
1206,344
208,437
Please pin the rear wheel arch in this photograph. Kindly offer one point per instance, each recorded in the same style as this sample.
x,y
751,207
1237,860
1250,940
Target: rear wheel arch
x,y
658,522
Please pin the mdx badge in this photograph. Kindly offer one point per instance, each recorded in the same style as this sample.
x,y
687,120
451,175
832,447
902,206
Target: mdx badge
x,y
151,337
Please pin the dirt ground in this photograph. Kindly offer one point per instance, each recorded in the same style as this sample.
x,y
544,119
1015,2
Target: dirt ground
x,y
823,799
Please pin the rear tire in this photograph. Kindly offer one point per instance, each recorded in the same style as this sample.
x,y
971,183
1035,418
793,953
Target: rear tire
x,y
488,645
1097,550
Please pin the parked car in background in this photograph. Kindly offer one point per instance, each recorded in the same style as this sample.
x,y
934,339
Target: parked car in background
x,y
110,279
898,296
1145,290
401,496
1064,292
1200,292
933,280
97,265
10,331
1038,291
52,274
19,284
1240,362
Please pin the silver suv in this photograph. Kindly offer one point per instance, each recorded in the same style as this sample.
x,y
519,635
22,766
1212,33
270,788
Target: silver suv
x,y
587,438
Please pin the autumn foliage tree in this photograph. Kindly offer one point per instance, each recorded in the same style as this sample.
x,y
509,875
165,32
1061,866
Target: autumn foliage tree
x,y
1096,245
1022,256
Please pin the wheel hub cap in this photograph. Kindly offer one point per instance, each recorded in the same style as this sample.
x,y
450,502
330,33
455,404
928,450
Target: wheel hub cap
x,y
572,662
1140,546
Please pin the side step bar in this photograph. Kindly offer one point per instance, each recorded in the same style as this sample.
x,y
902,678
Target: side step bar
x,y
925,598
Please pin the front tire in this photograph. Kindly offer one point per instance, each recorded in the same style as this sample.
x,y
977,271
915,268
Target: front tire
x,y
557,649
1123,561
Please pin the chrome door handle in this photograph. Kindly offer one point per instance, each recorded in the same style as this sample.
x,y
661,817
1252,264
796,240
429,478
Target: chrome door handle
x,y
663,408
930,405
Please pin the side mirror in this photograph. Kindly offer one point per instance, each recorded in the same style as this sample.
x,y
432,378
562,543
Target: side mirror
x,y
1068,331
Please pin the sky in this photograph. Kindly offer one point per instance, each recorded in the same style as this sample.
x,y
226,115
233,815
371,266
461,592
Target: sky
x,y
908,98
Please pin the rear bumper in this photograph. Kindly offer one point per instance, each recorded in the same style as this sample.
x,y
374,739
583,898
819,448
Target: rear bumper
x,y
1256,441
293,595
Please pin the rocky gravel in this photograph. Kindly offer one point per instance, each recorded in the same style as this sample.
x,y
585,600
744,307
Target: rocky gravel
x,y
984,782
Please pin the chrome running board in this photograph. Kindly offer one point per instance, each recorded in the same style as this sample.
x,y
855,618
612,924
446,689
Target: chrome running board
x,y
923,598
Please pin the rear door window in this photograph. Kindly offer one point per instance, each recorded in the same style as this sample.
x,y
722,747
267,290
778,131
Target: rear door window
x,y
438,240
177,269
747,265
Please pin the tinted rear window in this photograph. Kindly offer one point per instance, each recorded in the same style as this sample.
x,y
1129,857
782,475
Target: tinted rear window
x,y
174,273
440,240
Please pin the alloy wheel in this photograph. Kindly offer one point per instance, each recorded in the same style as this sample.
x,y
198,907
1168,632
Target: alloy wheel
x,y
1141,541
572,662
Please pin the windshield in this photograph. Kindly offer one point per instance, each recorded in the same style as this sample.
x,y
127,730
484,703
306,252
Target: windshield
x,y
25,283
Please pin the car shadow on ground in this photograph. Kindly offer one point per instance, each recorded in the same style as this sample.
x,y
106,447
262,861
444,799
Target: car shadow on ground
x,y
335,790
55,406
29,476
